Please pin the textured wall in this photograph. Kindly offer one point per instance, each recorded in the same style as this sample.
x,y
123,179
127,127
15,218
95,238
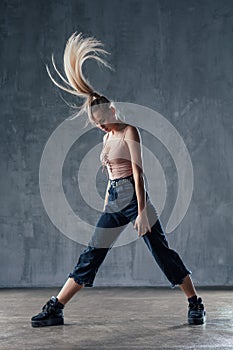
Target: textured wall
x,y
175,57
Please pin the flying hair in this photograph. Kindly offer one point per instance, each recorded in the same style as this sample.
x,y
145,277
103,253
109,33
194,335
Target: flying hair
x,y
77,51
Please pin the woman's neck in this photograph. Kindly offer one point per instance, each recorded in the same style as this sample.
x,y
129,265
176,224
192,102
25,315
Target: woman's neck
x,y
120,126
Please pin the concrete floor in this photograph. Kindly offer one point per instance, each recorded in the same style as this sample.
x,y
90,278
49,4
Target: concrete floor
x,y
117,318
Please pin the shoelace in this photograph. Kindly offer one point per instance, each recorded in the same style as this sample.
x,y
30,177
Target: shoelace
x,y
200,307
46,308
197,307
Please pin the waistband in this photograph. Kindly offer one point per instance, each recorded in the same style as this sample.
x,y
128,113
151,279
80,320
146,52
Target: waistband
x,y
117,182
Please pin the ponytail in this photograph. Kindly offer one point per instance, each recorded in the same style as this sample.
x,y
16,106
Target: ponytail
x,y
77,50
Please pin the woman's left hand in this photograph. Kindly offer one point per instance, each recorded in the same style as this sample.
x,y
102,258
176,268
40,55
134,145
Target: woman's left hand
x,y
142,224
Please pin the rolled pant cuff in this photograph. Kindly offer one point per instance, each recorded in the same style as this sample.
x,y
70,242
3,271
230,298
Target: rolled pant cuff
x,y
173,284
81,282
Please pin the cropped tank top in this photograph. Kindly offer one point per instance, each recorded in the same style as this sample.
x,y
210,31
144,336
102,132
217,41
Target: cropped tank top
x,y
116,157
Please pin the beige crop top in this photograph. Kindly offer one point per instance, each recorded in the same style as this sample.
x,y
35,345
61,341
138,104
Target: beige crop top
x,y
116,157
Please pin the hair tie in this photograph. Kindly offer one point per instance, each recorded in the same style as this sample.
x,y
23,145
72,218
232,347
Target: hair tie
x,y
94,94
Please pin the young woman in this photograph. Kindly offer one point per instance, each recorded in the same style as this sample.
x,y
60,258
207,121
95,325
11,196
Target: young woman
x,y
126,198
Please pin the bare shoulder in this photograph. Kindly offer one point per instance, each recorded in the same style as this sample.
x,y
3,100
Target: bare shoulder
x,y
132,133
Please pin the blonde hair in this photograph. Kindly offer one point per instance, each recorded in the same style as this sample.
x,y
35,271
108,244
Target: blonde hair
x,y
77,51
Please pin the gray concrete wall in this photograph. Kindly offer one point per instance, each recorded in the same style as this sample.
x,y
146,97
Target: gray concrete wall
x,y
175,57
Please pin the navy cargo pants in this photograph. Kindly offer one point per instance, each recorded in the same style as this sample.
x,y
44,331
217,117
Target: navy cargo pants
x,y
120,210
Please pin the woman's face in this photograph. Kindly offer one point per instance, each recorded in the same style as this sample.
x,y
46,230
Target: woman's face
x,y
105,121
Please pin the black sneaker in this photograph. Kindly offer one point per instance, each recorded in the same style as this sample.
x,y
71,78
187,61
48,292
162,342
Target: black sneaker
x,y
196,312
51,315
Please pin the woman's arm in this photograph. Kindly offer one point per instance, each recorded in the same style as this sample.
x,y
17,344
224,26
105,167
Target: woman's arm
x,y
108,185
106,195
132,138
